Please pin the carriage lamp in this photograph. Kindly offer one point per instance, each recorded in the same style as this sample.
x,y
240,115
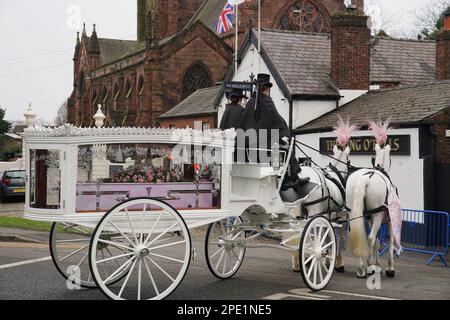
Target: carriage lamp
x,y
99,117
29,116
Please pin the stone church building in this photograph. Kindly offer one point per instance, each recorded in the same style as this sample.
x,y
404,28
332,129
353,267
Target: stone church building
x,y
177,51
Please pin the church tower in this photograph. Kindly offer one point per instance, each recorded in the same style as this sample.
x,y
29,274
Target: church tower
x,y
172,16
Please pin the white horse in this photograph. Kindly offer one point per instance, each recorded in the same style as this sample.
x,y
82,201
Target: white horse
x,y
367,195
329,198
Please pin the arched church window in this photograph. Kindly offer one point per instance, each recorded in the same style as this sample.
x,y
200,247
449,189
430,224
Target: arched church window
x,y
82,84
305,15
196,77
140,86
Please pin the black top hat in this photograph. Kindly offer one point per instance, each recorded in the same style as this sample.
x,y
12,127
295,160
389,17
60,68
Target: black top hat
x,y
264,80
237,93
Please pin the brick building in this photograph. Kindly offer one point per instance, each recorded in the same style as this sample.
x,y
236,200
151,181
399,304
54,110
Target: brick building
x,y
176,52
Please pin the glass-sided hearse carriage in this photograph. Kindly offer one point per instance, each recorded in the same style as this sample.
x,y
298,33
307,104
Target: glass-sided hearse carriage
x,y
123,202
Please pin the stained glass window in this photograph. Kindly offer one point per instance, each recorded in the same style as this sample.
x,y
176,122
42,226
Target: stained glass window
x,y
304,15
196,77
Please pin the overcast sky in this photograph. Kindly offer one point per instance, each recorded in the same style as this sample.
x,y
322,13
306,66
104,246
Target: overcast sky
x,y
37,40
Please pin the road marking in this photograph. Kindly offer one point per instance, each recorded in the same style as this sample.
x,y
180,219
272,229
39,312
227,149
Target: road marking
x,y
307,295
358,295
17,264
23,245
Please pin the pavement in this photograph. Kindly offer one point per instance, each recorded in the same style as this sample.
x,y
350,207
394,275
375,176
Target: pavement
x,y
27,272
12,208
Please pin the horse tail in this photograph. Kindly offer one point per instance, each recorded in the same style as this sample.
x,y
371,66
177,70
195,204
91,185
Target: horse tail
x,y
357,238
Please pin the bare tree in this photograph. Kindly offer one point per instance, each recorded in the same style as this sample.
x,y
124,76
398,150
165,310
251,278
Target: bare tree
x,y
429,18
383,22
61,115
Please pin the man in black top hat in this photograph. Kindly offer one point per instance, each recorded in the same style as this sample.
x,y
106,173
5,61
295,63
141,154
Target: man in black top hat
x,y
266,117
234,111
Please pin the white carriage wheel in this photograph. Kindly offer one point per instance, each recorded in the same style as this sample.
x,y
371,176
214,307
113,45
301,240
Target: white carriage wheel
x,y
225,248
69,248
156,243
317,253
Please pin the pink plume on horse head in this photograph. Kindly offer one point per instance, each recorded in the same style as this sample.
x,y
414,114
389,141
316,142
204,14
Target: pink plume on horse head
x,y
380,131
344,131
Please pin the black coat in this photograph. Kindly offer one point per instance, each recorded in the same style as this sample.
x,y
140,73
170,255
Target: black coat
x,y
267,117
248,120
232,117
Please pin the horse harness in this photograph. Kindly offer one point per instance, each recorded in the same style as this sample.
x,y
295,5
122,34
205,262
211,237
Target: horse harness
x,y
339,183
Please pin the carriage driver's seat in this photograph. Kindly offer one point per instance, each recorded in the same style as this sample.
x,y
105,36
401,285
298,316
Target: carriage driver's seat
x,y
292,179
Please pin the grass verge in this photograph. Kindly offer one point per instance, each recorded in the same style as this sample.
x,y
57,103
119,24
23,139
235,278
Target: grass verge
x,y
24,224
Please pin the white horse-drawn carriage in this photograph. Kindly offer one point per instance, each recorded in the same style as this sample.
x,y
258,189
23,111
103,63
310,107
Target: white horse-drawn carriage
x,y
124,202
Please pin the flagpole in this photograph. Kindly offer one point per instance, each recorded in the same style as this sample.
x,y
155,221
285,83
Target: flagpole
x,y
237,42
259,36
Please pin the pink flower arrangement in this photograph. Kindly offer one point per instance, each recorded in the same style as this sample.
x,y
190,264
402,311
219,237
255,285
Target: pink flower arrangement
x,y
380,131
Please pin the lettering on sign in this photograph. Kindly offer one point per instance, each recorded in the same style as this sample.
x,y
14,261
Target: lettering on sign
x,y
401,145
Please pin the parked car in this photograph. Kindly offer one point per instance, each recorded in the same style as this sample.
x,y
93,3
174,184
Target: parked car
x,y
12,184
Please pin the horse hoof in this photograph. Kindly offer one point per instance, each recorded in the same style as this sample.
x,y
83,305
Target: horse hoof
x,y
390,273
340,269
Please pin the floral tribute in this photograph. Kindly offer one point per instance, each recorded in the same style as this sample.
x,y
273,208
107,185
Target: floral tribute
x,y
148,175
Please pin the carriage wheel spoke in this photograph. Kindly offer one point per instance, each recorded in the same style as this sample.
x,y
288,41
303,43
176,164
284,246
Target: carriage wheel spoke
x,y
320,271
313,263
153,228
155,287
111,254
309,259
115,258
122,267
225,262
324,237
161,269
217,252
328,245
234,253
114,244
167,245
144,211
127,278
139,280
315,273
123,235
131,226
167,258
162,233
220,260
74,253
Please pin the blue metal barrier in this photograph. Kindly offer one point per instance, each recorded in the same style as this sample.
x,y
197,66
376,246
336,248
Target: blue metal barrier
x,y
423,232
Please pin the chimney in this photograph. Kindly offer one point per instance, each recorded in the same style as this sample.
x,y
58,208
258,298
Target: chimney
x,y
443,50
358,5
350,51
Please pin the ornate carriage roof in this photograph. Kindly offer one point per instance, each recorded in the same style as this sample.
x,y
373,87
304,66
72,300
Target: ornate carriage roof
x,y
136,135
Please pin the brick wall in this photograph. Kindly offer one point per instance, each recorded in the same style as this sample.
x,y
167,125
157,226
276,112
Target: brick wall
x,y
442,123
182,123
197,46
350,52
443,56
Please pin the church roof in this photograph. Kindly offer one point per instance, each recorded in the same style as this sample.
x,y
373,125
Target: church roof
x,y
209,12
201,102
405,105
112,50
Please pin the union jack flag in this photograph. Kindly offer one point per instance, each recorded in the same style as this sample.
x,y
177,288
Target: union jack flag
x,y
225,23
